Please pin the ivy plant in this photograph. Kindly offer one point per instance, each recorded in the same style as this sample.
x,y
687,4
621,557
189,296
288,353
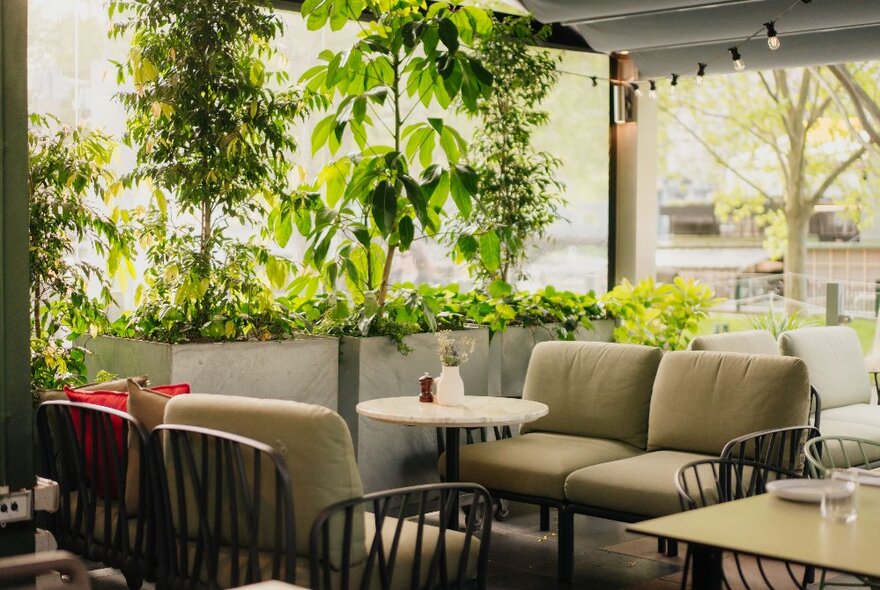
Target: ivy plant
x,y
517,187
213,134
666,315
371,203
68,168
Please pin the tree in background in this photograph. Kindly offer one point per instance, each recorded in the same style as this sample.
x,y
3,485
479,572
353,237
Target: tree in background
x,y
66,167
518,195
373,202
791,139
211,131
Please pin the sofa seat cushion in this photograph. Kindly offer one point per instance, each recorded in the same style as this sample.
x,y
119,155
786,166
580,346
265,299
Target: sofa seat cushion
x,y
406,553
593,389
867,414
851,429
535,464
704,399
642,486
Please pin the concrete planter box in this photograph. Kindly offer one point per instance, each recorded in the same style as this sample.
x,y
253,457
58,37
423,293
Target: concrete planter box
x,y
303,370
510,351
369,368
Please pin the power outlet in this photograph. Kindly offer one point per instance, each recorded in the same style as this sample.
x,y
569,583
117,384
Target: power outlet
x,y
16,507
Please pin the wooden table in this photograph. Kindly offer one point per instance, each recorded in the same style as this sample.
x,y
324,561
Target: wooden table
x,y
766,526
477,411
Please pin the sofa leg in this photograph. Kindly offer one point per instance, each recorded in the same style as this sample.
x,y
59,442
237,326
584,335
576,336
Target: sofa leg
x,y
661,545
565,558
545,518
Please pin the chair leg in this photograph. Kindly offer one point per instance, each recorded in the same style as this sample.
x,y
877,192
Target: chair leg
x,y
545,518
565,557
661,545
672,548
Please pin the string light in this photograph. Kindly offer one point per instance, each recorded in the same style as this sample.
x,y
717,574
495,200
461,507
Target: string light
x,y
701,71
595,80
773,41
674,83
636,90
652,91
738,64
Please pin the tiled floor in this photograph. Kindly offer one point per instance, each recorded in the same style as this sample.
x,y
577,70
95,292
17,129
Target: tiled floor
x,y
523,557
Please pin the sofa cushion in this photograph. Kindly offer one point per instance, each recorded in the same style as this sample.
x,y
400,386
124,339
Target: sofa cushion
x,y
703,399
314,441
593,389
867,414
535,464
834,356
147,406
643,485
746,342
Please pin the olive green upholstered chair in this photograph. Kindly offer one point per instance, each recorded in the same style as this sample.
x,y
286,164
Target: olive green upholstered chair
x,y
314,446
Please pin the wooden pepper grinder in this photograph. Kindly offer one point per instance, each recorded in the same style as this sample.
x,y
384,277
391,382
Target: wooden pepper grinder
x,y
426,382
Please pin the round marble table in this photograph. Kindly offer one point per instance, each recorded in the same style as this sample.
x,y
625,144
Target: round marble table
x,y
477,411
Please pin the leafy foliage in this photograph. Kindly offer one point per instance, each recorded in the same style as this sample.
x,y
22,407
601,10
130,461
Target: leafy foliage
x,y
370,203
517,189
211,131
65,167
503,307
666,315
777,323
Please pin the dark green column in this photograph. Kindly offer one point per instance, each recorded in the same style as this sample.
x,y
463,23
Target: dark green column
x,y
16,412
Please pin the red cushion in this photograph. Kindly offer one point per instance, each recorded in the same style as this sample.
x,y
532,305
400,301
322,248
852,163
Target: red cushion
x,y
104,479
175,389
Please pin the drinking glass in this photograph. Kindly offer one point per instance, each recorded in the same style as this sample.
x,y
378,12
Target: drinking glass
x,y
840,495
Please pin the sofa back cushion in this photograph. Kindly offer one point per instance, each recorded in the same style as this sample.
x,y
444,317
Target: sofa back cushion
x,y
593,389
746,342
314,441
834,357
703,399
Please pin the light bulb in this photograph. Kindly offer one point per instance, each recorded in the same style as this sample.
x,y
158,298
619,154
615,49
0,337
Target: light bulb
x,y
652,91
773,41
738,63
674,83
701,71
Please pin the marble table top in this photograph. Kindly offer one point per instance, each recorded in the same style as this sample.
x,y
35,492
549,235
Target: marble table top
x,y
477,410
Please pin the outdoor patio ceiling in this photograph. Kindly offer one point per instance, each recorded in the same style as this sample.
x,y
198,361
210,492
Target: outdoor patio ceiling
x,y
673,36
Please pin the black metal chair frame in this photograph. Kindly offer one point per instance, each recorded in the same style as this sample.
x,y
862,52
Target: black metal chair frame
x,y
732,479
782,448
381,559
210,466
64,459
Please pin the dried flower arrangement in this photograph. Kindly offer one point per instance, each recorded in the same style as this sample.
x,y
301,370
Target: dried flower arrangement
x,y
453,351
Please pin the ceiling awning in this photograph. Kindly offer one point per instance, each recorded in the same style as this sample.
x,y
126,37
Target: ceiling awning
x,y
673,36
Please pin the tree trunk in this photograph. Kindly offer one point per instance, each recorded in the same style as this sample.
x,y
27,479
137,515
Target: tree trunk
x,y
798,224
386,273
206,231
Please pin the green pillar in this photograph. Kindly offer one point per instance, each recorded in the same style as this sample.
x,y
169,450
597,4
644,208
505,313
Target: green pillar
x,y
16,411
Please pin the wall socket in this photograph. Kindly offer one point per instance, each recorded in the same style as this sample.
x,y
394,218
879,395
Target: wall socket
x,y
15,507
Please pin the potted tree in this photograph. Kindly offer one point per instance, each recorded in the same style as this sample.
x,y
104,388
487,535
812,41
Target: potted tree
x,y
67,167
392,188
214,141
519,196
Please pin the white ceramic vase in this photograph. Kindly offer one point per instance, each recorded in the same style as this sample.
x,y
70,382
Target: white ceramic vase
x,y
450,387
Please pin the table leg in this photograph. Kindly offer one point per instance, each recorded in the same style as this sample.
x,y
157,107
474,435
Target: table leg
x,y
452,476
707,567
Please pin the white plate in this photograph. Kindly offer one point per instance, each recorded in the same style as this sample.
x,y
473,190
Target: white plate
x,y
797,490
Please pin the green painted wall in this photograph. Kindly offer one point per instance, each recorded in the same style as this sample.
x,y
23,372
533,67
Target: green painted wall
x,y
16,413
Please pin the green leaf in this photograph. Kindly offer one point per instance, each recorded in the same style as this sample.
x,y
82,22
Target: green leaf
x,y
384,207
499,289
406,231
282,229
448,34
322,132
460,194
467,245
490,250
